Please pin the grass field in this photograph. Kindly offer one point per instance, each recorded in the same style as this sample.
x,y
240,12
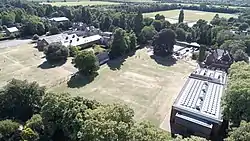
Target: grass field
x,y
148,85
25,62
190,15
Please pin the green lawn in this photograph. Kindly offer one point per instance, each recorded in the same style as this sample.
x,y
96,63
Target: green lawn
x,y
84,3
147,85
190,15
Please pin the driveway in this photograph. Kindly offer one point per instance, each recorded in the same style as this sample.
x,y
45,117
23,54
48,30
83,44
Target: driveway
x,y
13,43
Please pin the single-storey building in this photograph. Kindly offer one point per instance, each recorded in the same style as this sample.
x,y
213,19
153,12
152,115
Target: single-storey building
x,y
74,40
69,40
197,109
12,31
186,44
45,41
59,19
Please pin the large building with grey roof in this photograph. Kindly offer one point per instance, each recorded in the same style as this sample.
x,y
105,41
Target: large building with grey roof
x,y
197,109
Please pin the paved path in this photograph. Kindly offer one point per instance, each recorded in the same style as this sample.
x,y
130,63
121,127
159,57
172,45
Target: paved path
x,y
13,43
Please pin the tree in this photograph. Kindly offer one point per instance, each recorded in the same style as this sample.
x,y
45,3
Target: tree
x,y
119,44
159,17
73,51
241,133
114,120
61,112
240,55
224,35
86,15
236,48
181,16
20,100
157,25
189,38
133,41
56,52
147,34
235,101
138,22
164,42
106,23
86,62
202,53
145,131
28,134
54,30
36,124
40,28
122,21
148,21
180,34
243,26
35,37
8,130
8,19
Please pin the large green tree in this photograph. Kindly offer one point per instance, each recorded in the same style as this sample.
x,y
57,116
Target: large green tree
x,y
147,34
138,22
119,44
86,62
181,16
164,42
9,130
180,34
241,133
236,100
56,52
20,100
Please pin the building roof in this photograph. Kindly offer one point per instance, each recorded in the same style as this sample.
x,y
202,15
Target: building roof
x,y
201,95
12,29
54,38
194,44
59,19
74,40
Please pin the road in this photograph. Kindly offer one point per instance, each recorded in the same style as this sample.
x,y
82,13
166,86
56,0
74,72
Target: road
x,y
13,43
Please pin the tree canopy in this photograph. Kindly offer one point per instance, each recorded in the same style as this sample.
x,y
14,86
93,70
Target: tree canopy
x,y
241,133
56,52
164,42
236,103
86,62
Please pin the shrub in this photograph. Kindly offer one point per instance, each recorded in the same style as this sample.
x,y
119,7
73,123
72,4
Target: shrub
x,y
35,37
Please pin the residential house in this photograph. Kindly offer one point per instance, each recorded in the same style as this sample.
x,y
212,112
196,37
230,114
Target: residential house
x,y
219,59
197,109
45,41
12,31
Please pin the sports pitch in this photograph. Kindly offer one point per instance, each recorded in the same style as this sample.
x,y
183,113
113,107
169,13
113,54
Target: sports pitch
x,y
147,85
189,15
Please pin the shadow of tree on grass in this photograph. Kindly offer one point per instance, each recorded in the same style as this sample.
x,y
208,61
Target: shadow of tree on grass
x,y
165,61
115,64
78,80
48,65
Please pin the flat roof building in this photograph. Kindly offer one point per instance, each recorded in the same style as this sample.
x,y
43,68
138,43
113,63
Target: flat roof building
x,y
59,19
197,109
12,30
